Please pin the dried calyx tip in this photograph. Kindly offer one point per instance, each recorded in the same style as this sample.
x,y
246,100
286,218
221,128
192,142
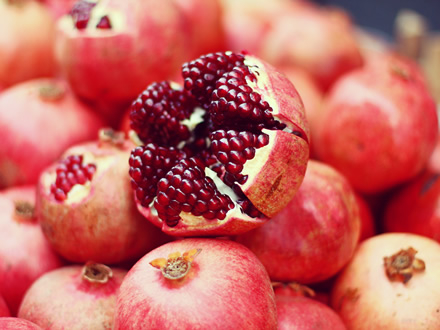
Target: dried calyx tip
x,y
51,92
96,273
177,265
24,210
402,265
108,135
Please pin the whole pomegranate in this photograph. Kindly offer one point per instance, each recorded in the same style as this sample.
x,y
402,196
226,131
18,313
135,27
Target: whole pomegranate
x,y
305,313
392,282
4,310
26,42
197,283
414,207
25,254
15,323
74,297
47,118
85,205
320,40
382,112
315,235
110,50
221,154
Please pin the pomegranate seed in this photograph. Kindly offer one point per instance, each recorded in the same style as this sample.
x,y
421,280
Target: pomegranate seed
x,y
104,23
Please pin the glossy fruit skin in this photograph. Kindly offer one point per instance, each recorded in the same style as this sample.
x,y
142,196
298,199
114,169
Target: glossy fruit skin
x,y
103,220
306,313
225,279
15,323
63,299
109,68
378,111
26,44
315,235
414,208
25,254
365,298
47,118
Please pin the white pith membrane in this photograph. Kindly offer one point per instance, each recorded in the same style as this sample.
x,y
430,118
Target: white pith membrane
x,y
116,17
78,192
251,167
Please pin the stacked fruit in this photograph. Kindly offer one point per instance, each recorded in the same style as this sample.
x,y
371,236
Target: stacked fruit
x,y
212,164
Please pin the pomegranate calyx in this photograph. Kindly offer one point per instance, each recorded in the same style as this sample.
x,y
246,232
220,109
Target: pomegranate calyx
x,y
24,211
96,273
110,136
402,265
400,72
176,266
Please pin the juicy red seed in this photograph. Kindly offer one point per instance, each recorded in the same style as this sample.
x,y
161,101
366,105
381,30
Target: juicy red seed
x,y
104,23
189,196
148,165
69,172
80,13
156,115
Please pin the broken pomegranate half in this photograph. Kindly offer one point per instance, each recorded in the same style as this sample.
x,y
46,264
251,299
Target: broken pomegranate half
x,y
221,154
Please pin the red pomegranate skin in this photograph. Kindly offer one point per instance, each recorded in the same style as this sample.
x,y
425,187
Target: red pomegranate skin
x,y
305,313
415,208
320,40
63,299
378,111
315,235
4,310
47,118
25,254
110,67
15,323
368,224
99,220
366,298
226,288
26,43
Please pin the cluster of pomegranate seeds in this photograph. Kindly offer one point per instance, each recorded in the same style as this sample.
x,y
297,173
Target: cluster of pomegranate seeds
x,y
201,75
186,188
70,171
160,109
148,164
80,13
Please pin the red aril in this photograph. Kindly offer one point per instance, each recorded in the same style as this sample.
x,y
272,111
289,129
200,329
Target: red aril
x,y
15,323
386,124
197,284
74,297
306,314
315,235
392,282
223,153
26,42
110,50
47,118
25,254
86,208
414,207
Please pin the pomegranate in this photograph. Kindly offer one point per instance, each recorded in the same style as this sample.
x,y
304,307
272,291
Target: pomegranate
x,y
295,289
47,118
222,154
197,283
74,297
315,235
305,313
26,42
415,208
25,254
15,323
392,282
321,40
110,50
4,310
85,206
434,160
368,223
378,111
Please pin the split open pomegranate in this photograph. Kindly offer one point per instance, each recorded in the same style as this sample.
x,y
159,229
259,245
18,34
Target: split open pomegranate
x,y
221,154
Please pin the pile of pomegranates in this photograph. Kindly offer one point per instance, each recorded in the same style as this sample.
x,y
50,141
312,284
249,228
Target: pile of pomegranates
x,y
212,164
